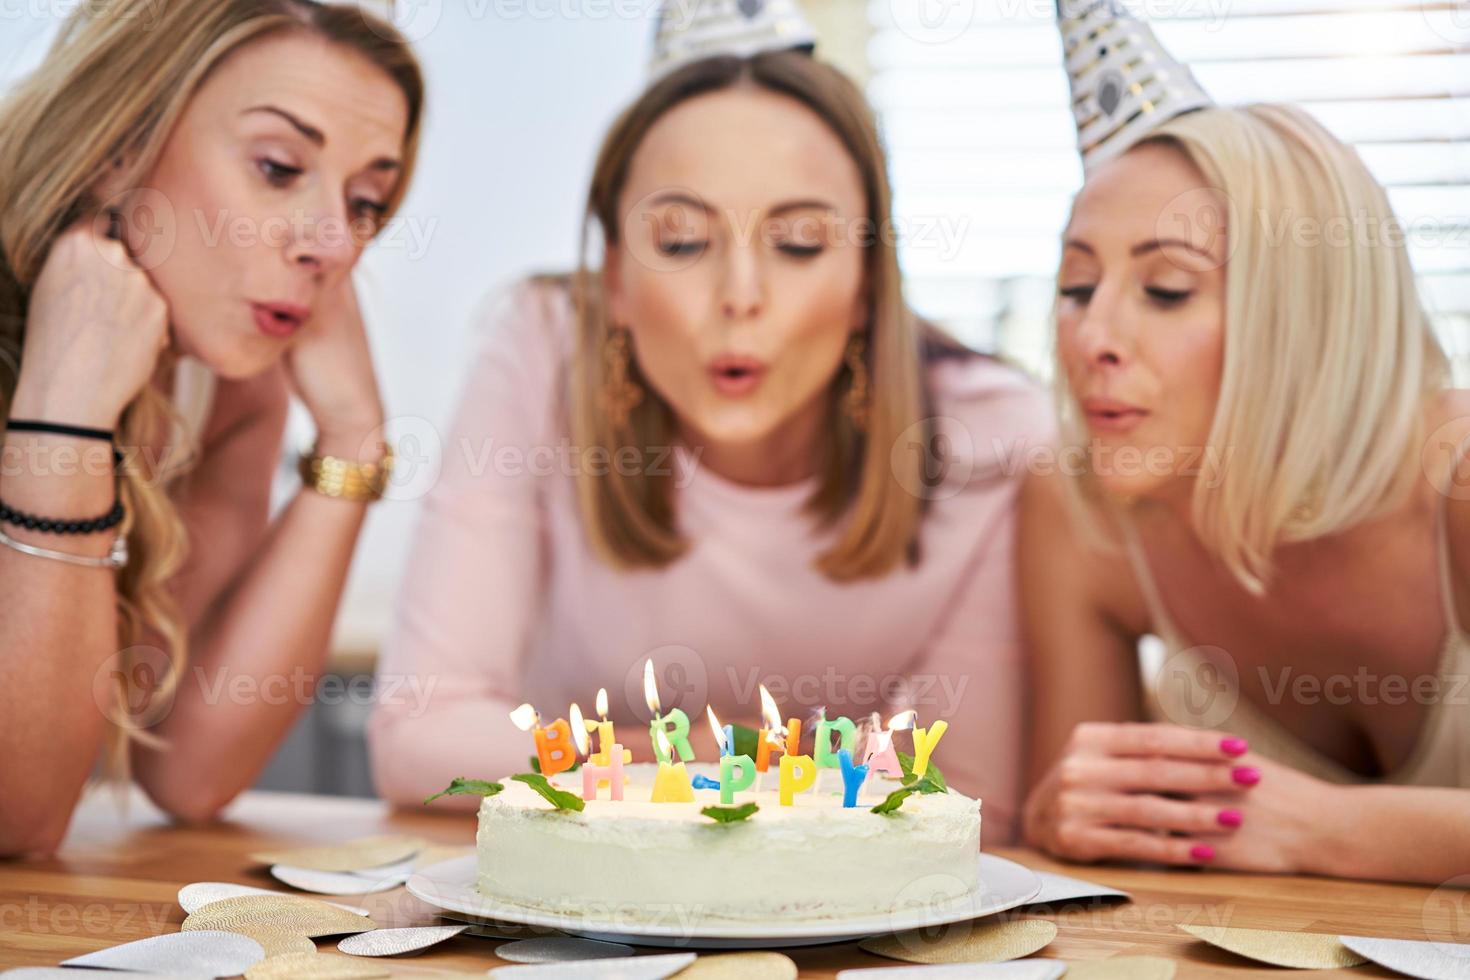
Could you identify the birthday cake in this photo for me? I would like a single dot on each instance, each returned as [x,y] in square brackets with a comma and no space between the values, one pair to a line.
[645,861]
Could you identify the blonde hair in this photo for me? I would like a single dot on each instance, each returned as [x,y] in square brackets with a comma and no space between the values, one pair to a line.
[1329,357]
[630,518]
[111,89]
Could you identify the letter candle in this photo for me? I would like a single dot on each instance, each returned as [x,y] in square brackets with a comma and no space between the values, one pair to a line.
[924,741]
[770,736]
[554,749]
[852,778]
[606,738]
[671,784]
[879,754]
[729,761]
[678,736]
[595,774]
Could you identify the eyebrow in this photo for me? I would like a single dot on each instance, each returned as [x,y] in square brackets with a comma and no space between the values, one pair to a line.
[317,137]
[1142,248]
[678,197]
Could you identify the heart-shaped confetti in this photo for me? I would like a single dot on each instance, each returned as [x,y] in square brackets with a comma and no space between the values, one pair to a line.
[343,882]
[397,942]
[1302,950]
[1014,970]
[194,897]
[624,968]
[741,966]
[277,942]
[314,966]
[966,942]
[286,913]
[557,949]
[357,855]
[1056,889]
[1426,960]
[208,953]
[1122,968]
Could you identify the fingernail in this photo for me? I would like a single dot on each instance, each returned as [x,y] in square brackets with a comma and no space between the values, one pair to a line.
[1234,746]
[1202,852]
[1230,818]
[1246,775]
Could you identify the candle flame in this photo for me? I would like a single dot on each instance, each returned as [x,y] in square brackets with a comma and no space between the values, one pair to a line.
[579,730]
[903,721]
[771,714]
[602,703]
[714,724]
[525,717]
[650,687]
[663,744]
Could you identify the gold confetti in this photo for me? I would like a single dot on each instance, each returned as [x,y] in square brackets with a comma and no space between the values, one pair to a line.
[966,942]
[1122,968]
[313,966]
[357,855]
[278,942]
[287,913]
[1303,950]
[740,966]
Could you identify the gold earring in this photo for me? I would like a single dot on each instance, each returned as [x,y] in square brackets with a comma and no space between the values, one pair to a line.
[620,395]
[858,399]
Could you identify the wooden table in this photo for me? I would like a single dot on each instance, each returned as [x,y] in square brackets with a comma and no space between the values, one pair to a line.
[117,878]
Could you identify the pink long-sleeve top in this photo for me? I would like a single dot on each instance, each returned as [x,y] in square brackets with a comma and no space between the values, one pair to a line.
[504,601]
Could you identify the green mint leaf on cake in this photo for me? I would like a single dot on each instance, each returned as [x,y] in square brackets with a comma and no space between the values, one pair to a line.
[931,772]
[467,787]
[730,814]
[558,798]
[916,784]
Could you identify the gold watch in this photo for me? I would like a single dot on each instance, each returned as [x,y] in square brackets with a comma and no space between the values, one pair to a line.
[347,479]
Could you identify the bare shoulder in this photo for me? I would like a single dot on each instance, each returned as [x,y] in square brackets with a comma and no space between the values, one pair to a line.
[1068,544]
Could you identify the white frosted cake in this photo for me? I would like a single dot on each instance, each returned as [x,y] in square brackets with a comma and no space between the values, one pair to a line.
[666,861]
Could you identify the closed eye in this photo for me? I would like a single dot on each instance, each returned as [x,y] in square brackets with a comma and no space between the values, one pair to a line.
[682,248]
[1078,294]
[278,174]
[1168,297]
[800,251]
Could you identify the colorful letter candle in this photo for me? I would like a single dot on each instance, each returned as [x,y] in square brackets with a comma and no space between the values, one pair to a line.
[554,749]
[852,777]
[924,741]
[671,784]
[769,736]
[826,758]
[673,727]
[609,775]
[791,782]
[729,785]
[880,756]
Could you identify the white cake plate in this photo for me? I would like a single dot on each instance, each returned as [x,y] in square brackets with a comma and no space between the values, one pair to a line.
[450,886]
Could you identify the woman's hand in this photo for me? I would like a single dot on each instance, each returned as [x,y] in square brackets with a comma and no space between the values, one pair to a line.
[94,332]
[331,369]
[1164,794]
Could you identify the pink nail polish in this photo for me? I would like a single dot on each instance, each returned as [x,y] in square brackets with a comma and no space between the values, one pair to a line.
[1246,775]
[1234,746]
[1202,852]
[1230,818]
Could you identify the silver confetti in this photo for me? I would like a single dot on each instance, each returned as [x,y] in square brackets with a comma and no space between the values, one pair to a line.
[203,953]
[342,882]
[1014,970]
[396,942]
[627,968]
[1425,960]
[194,897]
[556,949]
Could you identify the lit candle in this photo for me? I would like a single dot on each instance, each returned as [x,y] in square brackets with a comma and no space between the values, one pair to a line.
[826,758]
[924,741]
[729,761]
[554,749]
[798,773]
[769,738]
[671,783]
[678,735]
[606,736]
[879,755]
[595,773]
[852,777]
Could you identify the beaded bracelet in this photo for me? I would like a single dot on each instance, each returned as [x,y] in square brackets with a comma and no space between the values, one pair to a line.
[108,521]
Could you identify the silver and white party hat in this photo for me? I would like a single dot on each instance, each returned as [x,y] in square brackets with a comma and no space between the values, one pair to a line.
[689,30]
[1124,84]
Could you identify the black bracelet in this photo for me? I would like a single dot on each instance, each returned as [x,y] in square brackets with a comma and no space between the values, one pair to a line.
[30,522]
[56,428]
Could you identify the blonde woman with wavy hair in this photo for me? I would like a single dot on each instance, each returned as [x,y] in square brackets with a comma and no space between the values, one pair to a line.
[1271,449]
[184,190]
[714,447]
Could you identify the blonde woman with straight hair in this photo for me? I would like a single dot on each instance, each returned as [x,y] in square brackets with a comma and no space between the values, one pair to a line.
[1272,485]
[184,190]
[716,450]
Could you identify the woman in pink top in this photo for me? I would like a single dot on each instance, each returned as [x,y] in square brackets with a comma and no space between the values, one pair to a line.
[731,450]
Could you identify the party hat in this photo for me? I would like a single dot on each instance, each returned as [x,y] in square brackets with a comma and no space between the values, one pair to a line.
[1124,84]
[692,29]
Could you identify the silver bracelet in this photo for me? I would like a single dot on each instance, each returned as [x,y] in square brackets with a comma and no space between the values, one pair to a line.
[117,558]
